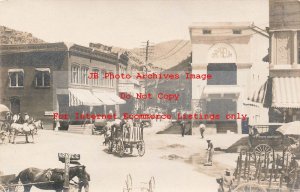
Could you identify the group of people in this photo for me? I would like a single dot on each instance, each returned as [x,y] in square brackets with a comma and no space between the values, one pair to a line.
[18,118]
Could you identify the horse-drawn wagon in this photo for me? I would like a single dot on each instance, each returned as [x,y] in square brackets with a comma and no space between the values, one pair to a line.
[126,137]
[264,171]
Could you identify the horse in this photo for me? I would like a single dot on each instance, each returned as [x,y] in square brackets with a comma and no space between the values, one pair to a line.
[51,179]
[38,125]
[25,128]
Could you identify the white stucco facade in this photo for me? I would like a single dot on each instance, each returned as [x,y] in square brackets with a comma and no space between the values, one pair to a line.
[228,49]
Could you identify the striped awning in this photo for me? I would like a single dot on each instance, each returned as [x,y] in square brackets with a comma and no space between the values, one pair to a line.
[83,97]
[105,98]
[285,91]
[117,99]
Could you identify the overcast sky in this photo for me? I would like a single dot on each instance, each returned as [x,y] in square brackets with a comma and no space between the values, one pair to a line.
[123,23]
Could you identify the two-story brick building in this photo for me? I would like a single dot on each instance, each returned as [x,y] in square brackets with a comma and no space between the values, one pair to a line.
[53,77]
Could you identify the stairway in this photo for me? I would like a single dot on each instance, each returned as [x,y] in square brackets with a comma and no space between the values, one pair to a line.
[78,129]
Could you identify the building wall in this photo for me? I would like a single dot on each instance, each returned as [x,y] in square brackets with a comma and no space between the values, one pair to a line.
[246,50]
[35,101]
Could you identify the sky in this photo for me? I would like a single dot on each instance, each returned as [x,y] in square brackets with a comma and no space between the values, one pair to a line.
[124,23]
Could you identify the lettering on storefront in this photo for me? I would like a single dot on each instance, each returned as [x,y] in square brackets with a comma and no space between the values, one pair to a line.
[221,52]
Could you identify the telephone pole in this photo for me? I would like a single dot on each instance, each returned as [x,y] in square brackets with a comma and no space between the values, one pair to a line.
[147,55]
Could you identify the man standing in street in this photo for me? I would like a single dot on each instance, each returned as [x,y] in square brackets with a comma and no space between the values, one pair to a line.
[182,126]
[210,151]
[202,129]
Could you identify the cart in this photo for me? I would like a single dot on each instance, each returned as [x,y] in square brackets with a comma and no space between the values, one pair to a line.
[125,138]
[266,171]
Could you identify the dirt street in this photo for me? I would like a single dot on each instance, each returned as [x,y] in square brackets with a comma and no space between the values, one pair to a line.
[175,162]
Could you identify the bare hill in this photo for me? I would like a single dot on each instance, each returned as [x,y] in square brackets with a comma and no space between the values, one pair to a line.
[10,36]
[166,54]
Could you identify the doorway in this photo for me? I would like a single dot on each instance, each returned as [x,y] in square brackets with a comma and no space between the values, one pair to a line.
[15,105]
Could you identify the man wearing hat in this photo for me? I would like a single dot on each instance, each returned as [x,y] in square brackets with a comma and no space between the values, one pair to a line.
[26,118]
[210,151]
[227,181]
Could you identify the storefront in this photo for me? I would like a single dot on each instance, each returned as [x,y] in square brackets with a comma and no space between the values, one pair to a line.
[227,52]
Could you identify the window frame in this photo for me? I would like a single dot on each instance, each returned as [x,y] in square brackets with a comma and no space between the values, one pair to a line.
[43,79]
[17,79]
[75,70]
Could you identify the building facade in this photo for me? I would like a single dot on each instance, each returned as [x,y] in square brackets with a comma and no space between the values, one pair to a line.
[284,81]
[231,53]
[41,79]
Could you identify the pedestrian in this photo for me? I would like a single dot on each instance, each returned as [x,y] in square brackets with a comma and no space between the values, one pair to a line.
[202,129]
[210,151]
[182,125]
[226,182]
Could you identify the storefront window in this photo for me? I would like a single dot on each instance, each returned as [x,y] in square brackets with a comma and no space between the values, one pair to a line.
[223,74]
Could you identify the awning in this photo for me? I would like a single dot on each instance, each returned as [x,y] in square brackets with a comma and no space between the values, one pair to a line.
[117,99]
[221,89]
[15,70]
[43,69]
[83,97]
[259,94]
[105,98]
[285,91]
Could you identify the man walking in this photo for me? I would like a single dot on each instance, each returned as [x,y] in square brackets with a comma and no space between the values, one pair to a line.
[202,129]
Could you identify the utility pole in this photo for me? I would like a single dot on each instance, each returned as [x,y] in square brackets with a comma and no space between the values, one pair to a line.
[146,66]
[147,54]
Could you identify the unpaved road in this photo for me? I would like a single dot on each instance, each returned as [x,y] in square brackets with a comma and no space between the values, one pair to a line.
[175,162]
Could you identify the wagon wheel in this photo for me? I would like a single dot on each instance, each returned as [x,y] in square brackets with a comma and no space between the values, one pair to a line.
[262,149]
[152,184]
[2,189]
[249,187]
[141,148]
[128,183]
[120,148]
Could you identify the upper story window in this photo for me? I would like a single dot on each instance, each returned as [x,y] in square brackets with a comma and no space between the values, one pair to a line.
[42,77]
[223,74]
[16,77]
[206,31]
[237,31]
[110,82]
[75,75]
[96,81]
[84,75]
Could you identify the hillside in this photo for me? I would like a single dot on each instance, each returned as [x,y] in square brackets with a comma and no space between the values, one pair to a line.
[10,36]
[162,55]
[166,54]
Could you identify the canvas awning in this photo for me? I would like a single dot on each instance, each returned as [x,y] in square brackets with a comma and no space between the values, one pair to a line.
[105,98]
[221,90]
[15,70]
[117,99]
[83,97]
[43,69]
[285,91]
